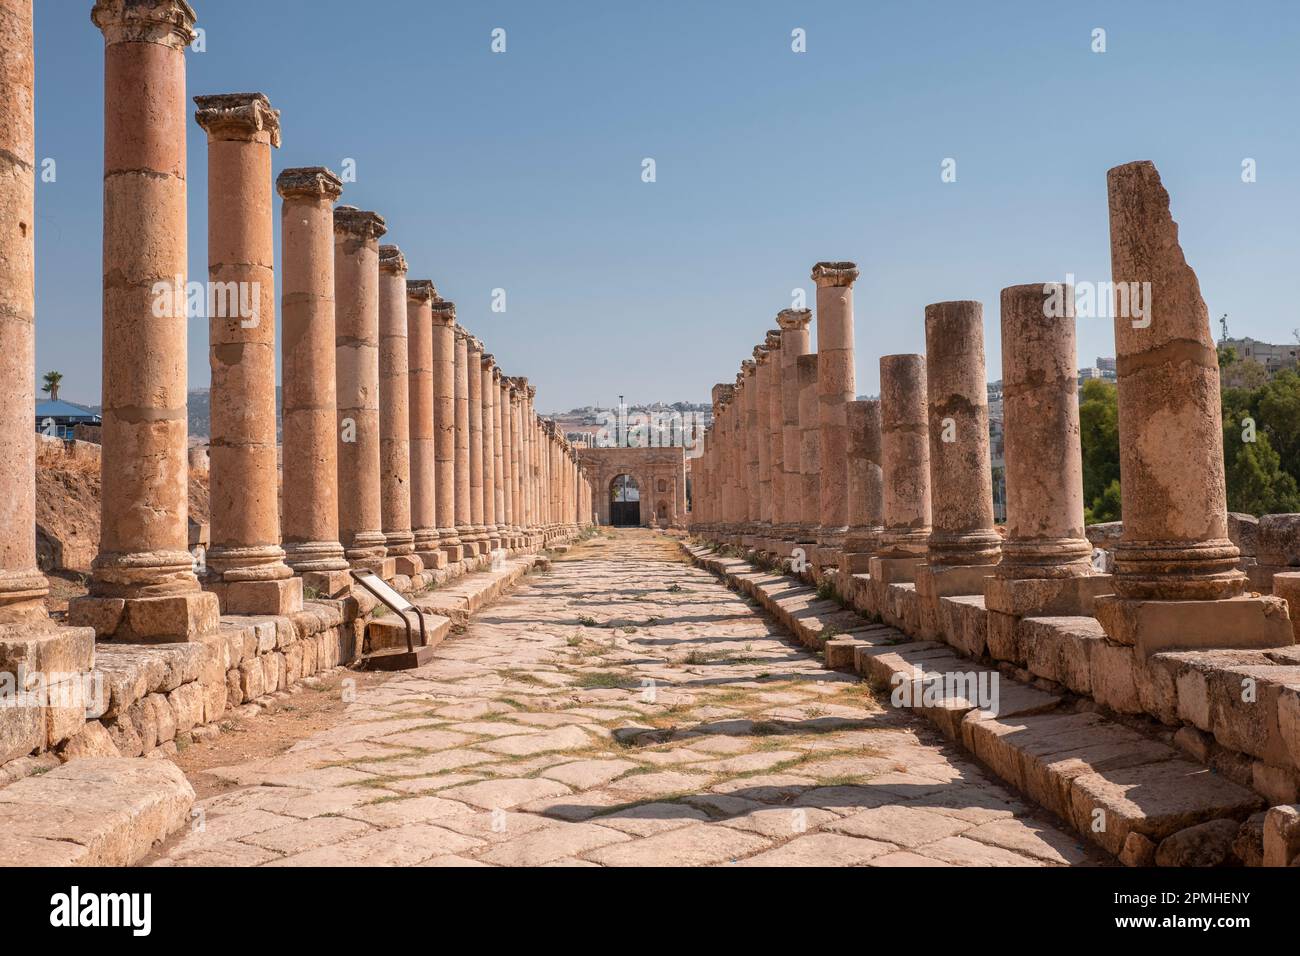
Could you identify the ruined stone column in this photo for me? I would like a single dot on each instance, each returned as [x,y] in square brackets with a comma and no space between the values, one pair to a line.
[356,337]
[776,442]
[420,295]
[753,481]
[763,443]
[506,411]
[245,563]
[395,414]
[489,452]
[809,455]
[22,586]
[1176,581]
[905,469]
[517,462]
[961,475]
[143,586]
[836,385]
[474,397]
[443,314]
[534,467]
[794,343]
[464,512]
[308,390]
[1046,563]
[866,492]
[501,450]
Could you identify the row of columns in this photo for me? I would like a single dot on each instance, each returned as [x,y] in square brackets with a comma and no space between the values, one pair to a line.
[900,488]
[405,449]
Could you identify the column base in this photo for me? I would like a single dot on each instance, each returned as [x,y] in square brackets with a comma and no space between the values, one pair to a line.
[452,554]
[1046,597]
[1226,623]
[327,584]
[407,564]
[173,618]
[887,571]
[383,567]
[433,560]
[280,597]
[855,562]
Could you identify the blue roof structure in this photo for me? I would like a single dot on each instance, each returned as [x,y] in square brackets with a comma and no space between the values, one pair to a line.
[58,408]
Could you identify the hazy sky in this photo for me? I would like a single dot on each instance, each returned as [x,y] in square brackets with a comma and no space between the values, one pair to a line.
[522,170]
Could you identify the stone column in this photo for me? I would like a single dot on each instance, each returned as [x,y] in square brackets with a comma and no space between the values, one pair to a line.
[143,586]
[753,481]
[245,563]
[776,442]
[534,467]
[464,513]
[500,442]
[740,456]
[866,493]
[905,470]
[963,544]
[1176,580]
[763,443]
[806,368]
[395,414]
[356,339]
[474,397]
[420,294]
[308,390]
[22,586]
[444,423]
[489,391]
[507,407]
[1046,566]
[836,387]
[794,343]
[516,480]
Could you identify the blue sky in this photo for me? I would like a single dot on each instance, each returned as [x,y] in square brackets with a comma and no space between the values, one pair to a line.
[522,170]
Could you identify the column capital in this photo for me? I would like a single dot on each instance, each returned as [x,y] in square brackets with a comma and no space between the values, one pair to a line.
[166,22]
[760,355]
[488,361]
[794,319]
[391,261]
[238,116]
[497,377]
[473,344]
[359,223]
[444,313]
[835,274]
[773,340]
[309,182]
[420,290]
[531,390]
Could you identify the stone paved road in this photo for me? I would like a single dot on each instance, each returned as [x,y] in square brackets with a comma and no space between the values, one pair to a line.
[622,709]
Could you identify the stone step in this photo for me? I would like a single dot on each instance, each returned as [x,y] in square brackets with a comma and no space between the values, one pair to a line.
[1135,797]
[471,593]
[93,812]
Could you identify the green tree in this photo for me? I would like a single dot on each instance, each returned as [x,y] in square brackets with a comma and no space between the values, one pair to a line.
[1099,440]
[51,386]
[1257,483]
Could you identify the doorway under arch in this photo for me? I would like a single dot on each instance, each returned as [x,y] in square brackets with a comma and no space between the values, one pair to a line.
[624,502]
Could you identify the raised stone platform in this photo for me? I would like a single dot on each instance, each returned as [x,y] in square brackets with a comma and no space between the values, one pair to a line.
[1066,729]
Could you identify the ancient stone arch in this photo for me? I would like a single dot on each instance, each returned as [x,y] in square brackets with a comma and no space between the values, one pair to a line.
[660,475]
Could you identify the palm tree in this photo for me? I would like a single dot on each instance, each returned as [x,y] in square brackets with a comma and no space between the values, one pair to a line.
[51,386]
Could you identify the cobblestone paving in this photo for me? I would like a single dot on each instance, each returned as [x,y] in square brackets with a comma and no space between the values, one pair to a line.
[623,709]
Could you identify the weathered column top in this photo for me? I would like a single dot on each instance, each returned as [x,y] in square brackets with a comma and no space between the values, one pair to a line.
[761,355]
[748,366]
[245,117]
[420,290]
[444,313]
[497,377]
[488,361]
[532,392]
[792,319]
[835,274]
[165,22]
[309,182]
[473,344]
[391,261]
[358,223]
[773,341]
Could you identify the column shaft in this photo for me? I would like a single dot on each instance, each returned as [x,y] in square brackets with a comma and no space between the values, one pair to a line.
[836,386]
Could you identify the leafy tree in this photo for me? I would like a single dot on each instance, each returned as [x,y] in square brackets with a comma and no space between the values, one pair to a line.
[1099,438]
